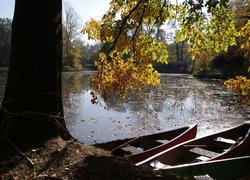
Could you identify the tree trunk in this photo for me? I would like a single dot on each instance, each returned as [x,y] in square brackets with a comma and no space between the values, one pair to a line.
[177,52]
[182,51]
[33,92]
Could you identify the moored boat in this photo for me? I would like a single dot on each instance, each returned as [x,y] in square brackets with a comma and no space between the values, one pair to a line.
[230,143]
[139,148]
[231,168]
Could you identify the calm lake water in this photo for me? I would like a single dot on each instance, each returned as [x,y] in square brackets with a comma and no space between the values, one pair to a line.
[180,100]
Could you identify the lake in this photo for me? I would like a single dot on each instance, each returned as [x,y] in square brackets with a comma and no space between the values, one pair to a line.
[178,101]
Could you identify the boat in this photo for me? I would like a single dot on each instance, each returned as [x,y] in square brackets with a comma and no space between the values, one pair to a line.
[231,168]
[142,147]
[230,143]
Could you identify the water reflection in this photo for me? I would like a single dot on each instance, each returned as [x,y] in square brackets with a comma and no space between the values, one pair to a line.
[178,101]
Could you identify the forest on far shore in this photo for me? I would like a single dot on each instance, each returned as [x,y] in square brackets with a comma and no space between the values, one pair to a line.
[78,54]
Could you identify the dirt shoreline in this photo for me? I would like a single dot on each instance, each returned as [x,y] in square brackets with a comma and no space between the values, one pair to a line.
[58,159]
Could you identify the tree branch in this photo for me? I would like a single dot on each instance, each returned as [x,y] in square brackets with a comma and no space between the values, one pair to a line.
[137,29]
[157,18]
[246,17]
[122,25]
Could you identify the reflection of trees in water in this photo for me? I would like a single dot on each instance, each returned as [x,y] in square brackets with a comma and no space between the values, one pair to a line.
[150,107]
[115,104]
[75,82]
[73,85]
[228,101]
[180,99]
[188,103]
[174,99]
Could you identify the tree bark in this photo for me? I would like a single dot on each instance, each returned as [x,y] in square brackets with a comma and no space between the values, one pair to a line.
[32,103]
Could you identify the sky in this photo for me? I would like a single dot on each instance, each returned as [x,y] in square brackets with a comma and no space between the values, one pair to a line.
[85,8]
[89,8]
[7,8]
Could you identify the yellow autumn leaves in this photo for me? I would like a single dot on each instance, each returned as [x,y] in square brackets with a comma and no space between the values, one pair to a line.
[122,74]
[92,29]
[119,76]
[245,32]
[212,34]
[128,62]
[241,86]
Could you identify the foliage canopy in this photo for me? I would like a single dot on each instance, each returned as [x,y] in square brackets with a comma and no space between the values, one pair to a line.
[127,28]
[241,86]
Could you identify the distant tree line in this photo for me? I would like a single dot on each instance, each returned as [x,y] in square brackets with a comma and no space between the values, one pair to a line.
[5,37]
[77,54]
[236,60]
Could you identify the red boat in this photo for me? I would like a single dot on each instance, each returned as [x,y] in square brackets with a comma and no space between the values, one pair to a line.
[143,147]
[230,143]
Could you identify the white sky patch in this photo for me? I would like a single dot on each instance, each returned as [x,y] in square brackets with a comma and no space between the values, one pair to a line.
[86,9]
[7,8]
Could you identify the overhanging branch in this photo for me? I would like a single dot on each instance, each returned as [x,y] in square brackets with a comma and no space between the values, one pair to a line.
[122,26]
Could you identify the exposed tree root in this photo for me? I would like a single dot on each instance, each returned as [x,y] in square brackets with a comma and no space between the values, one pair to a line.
[20,131]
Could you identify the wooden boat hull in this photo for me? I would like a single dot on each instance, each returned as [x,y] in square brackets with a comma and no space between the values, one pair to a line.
[231,168]
[140,148]
[222,145]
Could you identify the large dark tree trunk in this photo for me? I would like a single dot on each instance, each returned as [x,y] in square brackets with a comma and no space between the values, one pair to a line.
[32,104]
